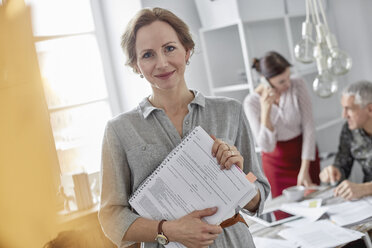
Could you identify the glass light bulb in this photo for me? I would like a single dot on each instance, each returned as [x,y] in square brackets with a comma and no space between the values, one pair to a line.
[339,63]
[322,51]
[304,50]
[325,85]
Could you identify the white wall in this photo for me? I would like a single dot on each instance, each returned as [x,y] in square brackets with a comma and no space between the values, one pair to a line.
[352,22]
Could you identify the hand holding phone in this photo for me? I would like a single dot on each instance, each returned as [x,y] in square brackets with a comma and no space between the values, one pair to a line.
[265,82]
[267,85]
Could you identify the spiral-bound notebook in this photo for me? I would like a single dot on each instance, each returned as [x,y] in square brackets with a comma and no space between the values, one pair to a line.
[189,179]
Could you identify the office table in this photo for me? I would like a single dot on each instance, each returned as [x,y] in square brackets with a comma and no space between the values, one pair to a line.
[259,230]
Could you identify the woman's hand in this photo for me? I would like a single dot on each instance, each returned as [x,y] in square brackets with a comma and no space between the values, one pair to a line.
[191,231]
[303,177]
[226,155]
[268,95]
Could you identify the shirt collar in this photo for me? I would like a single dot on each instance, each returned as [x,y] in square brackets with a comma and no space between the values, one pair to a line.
[147,108]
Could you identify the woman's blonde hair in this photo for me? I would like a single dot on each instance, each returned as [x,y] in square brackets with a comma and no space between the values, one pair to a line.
[146,17]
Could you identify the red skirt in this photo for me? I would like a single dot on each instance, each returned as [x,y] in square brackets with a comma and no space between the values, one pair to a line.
[282,165]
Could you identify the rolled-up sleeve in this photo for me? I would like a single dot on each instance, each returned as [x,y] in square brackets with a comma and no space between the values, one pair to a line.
[245,145]
[115,215]
[265,138]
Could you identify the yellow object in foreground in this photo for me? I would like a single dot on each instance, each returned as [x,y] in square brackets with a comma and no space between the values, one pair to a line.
[27,153]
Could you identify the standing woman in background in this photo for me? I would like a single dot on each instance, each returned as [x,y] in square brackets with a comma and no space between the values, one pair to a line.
[280,115]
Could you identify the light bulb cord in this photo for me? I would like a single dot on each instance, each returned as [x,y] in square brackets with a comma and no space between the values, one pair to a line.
[307,10]
[323,14]
[315,5]
[311,7]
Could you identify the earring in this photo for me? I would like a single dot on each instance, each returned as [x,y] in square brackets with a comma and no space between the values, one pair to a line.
[141,76]
[187,62]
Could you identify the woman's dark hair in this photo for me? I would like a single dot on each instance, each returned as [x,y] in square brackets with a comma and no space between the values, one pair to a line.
[271,64]
[146,17]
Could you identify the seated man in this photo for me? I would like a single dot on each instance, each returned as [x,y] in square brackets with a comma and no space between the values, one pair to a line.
[355,143]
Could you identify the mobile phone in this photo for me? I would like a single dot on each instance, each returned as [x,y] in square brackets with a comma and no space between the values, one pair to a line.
[265,82]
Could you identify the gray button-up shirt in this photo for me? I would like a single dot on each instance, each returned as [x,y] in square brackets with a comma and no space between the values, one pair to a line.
[136,142]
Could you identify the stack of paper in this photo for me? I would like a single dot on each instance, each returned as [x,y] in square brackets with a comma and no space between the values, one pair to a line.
[350,212]
[327,235]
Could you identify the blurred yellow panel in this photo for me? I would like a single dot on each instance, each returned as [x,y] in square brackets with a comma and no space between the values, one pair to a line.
[28,160]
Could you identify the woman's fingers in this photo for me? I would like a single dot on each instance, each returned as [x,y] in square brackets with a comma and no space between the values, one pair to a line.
[268,96]
[237,160]
[226,154]
[232,157]
[222,149]
[216,146]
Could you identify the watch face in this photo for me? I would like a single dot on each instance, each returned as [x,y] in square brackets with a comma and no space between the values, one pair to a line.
[162,239]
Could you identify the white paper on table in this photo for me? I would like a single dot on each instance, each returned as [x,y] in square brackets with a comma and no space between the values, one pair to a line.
[350,212]
[260,242]
[310,209]
[298,222]
[327,235]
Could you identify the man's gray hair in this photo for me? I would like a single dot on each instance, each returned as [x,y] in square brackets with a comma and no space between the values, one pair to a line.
[361,90]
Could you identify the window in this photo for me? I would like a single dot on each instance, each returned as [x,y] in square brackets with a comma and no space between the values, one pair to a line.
[74,80]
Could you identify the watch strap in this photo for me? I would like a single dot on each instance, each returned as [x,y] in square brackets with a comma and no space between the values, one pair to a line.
[161,237]
[160,227]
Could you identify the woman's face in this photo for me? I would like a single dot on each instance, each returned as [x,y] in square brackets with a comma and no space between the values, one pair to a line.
[161,57]
[281,82]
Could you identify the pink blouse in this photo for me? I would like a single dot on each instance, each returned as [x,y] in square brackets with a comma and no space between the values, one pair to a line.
[292,117]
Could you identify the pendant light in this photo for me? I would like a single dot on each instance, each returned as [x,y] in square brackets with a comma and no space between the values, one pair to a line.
[303,50]
[331,61]
[325,84]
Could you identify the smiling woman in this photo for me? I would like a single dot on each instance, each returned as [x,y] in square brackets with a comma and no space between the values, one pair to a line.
[158,46]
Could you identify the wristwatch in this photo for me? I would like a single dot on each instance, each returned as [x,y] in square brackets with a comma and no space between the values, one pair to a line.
[161,238]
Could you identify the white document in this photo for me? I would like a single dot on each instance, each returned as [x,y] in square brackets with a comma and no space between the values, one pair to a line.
[320,234]
[350,212]
[368,199]
[190,179]
[298,223]
[310,209]
[270,243]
